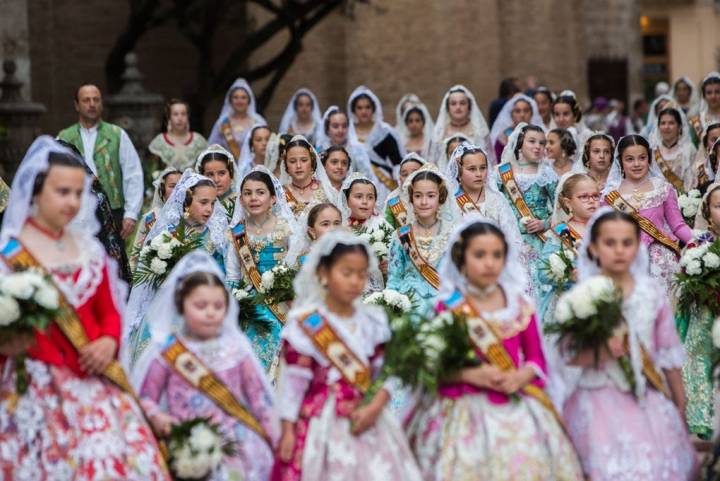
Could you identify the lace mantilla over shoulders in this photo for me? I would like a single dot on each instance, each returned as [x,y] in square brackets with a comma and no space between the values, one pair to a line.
[79,288]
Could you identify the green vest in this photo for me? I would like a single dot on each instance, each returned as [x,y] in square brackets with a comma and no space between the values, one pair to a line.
[106,157]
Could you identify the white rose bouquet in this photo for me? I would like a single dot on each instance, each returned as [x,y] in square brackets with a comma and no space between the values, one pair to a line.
[28,302]
[379,239]
[689,204]
[197,449]
[276,285]
[698,282]
[559,267]
[247,313]
[394,303]
[588,316]
[157,258]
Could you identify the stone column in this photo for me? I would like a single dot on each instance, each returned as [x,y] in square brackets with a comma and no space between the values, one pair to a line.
[135,110]
[19,121]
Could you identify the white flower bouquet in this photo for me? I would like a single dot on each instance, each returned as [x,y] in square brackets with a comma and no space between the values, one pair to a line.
[379,239]
[559,267]
[588,316]
[698,282]
[394,303]
[689,204]
[157,258]
[276,285]
[197,449]
[28,302]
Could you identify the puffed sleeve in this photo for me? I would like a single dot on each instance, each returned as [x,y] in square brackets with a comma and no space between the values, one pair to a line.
[258,396]
[674,218]
[105,309]
[295,377]
[532,349]
[153,387]
[670,353]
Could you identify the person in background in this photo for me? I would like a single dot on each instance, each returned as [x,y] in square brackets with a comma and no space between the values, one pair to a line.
[508,88]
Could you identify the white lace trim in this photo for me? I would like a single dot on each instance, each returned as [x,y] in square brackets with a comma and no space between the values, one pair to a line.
[544,176]
[91,263]
[671,358]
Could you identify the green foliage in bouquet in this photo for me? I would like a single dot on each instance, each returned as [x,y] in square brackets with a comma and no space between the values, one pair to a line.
[158,258]
[698,283]
[276,285]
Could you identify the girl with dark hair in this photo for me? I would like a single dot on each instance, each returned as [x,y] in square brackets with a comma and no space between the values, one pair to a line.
[686,95]
[262,230]
[673,148]
[382,143]
[419,244]
[703,163]
[561,150]
[332,352]
[302,116]
[416,129]
[597,157]
[520,108]
[622,429]
[219,165]
[78,418]
[337,163]
[566,112]
[544,99]
[237,116]
[177,146]
[491,413]
[395,210]
[529,185]
[303,177]
[637,186]
[709,106]
[254,148]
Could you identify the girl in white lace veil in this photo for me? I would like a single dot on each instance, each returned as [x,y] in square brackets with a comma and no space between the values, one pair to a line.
[706,117]
[626,439]
[504,121]
[681,154]
[359,158]
[401,107]
[569,98]
[494,206]
[216,135]
[394,196]
[288,123]
[417,108]
[656,106]
[692,106]
[247,155]
[168,397]
[383,144]
[615,177]
[226,184]
[478,131]
[324,190]
[88,279]
[322,218]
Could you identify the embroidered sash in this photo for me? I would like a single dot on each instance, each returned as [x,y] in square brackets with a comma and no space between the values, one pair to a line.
[516,195]
[697,125]
[192,370]
[486,339]
[617,202]
[567,235]
[407,239]
[397,208]
[668,172]
[227,131]
[150,220]
[17,257]
[336,351]
[466,204]
[648,366]
[242,247]
[383,177]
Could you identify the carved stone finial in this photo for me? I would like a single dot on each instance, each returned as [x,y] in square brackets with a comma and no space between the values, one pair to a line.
[10,84]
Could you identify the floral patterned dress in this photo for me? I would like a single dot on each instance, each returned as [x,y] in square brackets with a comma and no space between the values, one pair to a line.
[469,434]
[620,437]
[68,425]
[315,397]
[179,156]
[700,384]
[165,390]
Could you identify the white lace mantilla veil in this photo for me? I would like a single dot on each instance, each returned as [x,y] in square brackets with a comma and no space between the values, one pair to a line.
[444,158]
[685,138]
[703,103]
[227,109]
[652,119]
[701,224]
[578,165]
[289,115]
[157,201]
[214,149]
[320,175]
[559,215]
[513,279]
[408,98]
[694,103]
[19,208]
[504,118]
[247,156]
[412,156]
[449,214]
[428,126]
[615,176]
[492,192]
[545,173]
[640,270]
[480,129]
[167,321]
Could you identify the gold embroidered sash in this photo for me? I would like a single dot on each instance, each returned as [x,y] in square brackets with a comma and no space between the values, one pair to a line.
[466,204]
[383,177]
[697,125]
[242,247]
[407,239]
[397,208]
[618,203]
[227,131]
[18,258]
[648,366]
[668,172]
[192,370]
[336,351]
[486,339]
[516,195]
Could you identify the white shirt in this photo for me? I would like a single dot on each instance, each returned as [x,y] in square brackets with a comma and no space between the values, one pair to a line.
[130,167]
